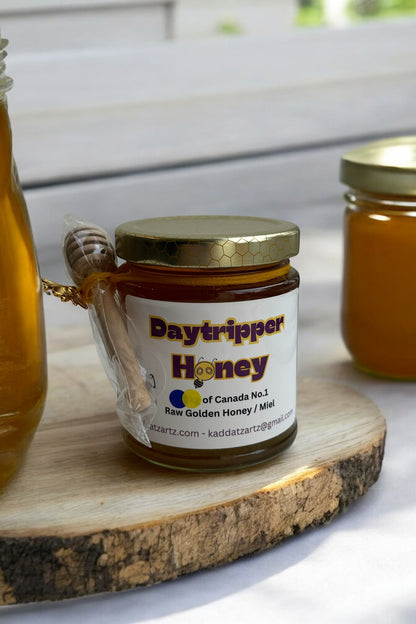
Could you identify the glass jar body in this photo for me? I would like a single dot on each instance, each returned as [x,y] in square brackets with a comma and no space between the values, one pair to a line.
[206,293]
[379,298]
[22,340]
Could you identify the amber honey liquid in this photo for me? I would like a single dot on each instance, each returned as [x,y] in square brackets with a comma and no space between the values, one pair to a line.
[192,286]
[379,294]
[22,344]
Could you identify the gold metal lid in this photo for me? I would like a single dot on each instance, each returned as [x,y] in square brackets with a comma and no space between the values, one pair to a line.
[386,166]
[207,241]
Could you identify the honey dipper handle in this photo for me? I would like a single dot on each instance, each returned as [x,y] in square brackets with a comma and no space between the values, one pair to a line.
[117,332]
[88,249]
[133,398]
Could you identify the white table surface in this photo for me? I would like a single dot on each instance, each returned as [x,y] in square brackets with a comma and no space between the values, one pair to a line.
[359,568]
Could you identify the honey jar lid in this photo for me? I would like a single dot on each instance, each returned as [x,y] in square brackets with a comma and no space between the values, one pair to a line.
[386,166]
[207,241]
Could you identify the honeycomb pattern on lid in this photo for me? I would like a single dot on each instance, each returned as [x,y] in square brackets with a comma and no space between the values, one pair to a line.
[207,241]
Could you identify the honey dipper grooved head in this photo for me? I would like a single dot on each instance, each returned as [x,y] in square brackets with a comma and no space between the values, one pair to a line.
[88,249]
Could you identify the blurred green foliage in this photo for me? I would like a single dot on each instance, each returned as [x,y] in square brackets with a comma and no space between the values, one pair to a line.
[229,27]
[311,12]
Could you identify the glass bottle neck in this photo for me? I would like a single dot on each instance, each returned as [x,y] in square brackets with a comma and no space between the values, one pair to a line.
[381,201]
[6,83]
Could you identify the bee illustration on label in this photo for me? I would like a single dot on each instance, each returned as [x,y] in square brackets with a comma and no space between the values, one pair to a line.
[204,371]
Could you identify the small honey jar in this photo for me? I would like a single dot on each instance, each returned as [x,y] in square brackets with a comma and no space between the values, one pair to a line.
[213,301]
[379,293]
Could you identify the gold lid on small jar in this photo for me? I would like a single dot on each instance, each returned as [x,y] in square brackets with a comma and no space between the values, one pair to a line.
[387,166]
[207,241]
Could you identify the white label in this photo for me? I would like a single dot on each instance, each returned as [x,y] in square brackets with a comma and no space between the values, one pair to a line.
[224,373]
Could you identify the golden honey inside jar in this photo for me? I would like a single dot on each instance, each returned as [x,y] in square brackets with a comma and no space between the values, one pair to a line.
[379,294]
[213,301]
[23,376]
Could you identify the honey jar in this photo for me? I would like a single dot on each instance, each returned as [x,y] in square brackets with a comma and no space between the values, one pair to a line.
[213,301]
[379,294]
[22,339]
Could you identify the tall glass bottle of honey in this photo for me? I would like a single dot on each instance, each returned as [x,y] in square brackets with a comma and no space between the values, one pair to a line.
[22,340]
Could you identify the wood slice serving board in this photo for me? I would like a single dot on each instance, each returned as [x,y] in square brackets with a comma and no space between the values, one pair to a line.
[85,515]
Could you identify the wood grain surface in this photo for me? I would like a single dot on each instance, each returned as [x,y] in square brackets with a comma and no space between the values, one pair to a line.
[85,515]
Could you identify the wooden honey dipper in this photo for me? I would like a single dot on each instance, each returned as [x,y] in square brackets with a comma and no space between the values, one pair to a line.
[88,249]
